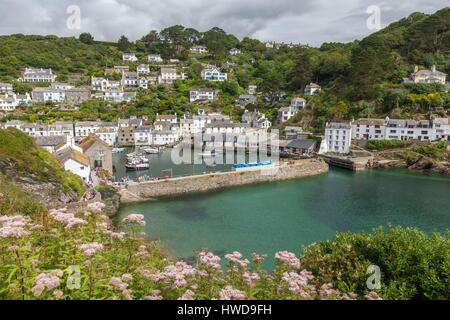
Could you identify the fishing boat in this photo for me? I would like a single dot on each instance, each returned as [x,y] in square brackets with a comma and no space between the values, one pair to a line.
[134,166]
[151,150]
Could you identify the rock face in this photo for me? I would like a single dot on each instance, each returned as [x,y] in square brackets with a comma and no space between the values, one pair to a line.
[46,193]
[111,199]
[149,190]
[422,165]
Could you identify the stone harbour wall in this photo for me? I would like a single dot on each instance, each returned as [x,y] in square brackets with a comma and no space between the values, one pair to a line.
[139,192]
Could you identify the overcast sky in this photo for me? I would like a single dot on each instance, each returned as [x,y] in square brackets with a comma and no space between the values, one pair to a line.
[300,21]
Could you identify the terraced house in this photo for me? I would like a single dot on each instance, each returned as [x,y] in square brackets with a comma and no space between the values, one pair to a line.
[38,75]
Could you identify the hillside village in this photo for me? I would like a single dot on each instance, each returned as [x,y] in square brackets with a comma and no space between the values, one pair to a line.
[159,95]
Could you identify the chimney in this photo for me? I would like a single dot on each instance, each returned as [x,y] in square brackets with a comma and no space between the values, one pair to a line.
[433,68]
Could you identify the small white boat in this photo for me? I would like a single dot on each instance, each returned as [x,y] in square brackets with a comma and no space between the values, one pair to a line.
[137,166]
[138,159]
[207,154]
[151,150]
[118,150]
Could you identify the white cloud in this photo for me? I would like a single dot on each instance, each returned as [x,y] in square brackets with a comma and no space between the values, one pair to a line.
[304,21]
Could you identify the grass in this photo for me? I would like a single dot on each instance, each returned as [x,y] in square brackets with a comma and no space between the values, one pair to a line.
[21,158]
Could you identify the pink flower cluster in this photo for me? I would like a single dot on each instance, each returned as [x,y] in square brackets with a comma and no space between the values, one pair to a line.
[14,226]
[328,292]
[142,253]
[209,260]
[257,258]
[231,294]
[121,285]
[96,207]
[134,218]
[90,249]
[251,278]
[372,296]
[187,296]
[47,281]
[66,218]
[154,295]
[236,259]
[288,258]
[176,274]
[298,283]
[116,235]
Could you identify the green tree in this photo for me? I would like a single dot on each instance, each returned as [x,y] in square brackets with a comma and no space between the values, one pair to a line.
[86,38]
[123,44]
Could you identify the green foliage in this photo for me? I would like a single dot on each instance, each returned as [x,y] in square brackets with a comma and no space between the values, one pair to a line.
[20,157]
[437,151]
[123,44]
[413,265]
[14,200]
[387,144]
[86,38]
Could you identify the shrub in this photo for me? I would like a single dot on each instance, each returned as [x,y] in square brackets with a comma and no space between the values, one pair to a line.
[413,265]
[387,144]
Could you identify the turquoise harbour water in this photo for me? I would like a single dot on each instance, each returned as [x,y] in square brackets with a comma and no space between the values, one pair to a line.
[288,215]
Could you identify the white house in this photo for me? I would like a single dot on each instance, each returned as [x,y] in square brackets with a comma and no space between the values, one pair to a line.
[202,94]
[143,68]
[54,144]
[61,128]
[108,134]
[38,75]
[131,57]
[298,103]
[102,84]
[6,87]
[426,76]
[155,58]
[130,79]
[163,138]
[169,118]
[13,124]
[24,99]
[405,130]
[338,138]
[369,129]
[286,113]
[41,95]
[75,162]
[85,128]
[234,52]
[312,89]
[441,129]
[199,49]
[214,74]
[226,128]
[143,136]
[167,75]
[8,102]
[114,95]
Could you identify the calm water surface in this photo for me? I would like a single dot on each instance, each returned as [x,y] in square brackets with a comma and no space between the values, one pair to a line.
[288,215]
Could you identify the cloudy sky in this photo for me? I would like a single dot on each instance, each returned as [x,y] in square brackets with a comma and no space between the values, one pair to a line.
[300,21]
